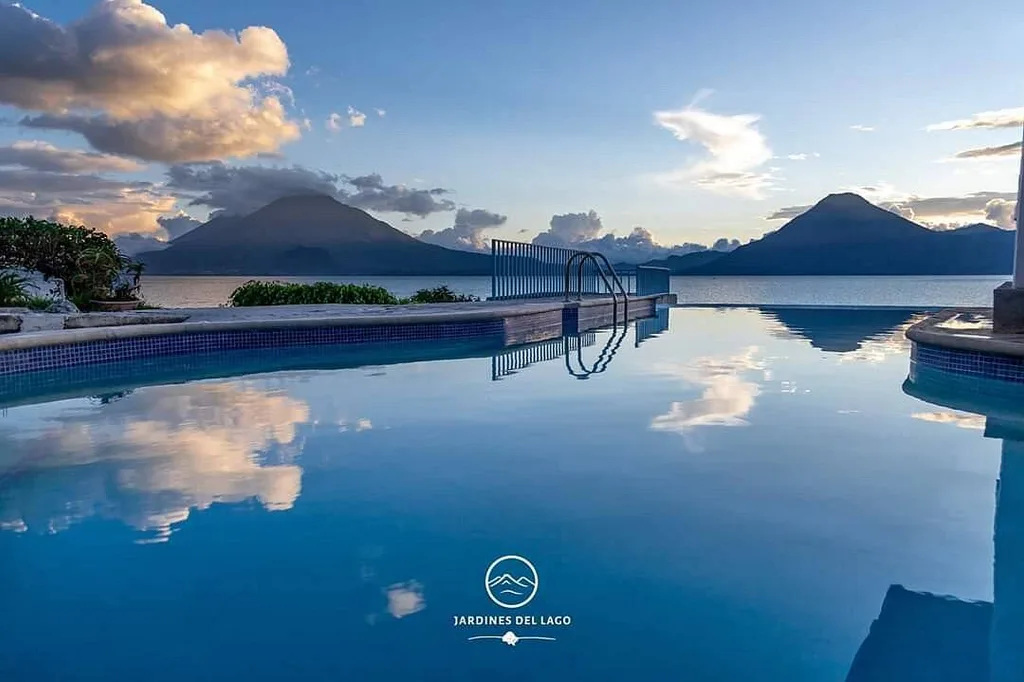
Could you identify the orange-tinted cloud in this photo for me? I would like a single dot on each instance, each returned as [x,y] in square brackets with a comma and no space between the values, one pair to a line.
[133,85]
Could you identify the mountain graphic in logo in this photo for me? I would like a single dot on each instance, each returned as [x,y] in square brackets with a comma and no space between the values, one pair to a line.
[506,584]
[511,581]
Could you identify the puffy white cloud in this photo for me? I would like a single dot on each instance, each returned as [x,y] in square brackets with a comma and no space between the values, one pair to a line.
[1001,212]
[202,136]
[735,148]
[727,397]
[381,112]
[862,128]
[335,122]
[468,231]
[571,228]
[1001,118]
[405,599]
[134,85]
[153,456]
[356,119]
[581,231]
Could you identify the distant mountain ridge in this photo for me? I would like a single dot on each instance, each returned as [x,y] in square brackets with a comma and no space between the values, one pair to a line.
[311,234]
[844,234]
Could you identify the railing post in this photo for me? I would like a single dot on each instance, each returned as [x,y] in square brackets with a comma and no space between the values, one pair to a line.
[494,269]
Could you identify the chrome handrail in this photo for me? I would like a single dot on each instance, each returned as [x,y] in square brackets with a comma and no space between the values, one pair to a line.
[603,360]
[593,256]
[615,277]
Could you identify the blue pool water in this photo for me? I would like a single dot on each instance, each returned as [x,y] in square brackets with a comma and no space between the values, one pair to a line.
[731,499]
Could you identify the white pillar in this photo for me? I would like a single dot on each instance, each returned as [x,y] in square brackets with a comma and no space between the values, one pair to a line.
[1018,261]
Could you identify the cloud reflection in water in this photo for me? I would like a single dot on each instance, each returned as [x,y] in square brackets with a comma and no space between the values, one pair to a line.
[151,457]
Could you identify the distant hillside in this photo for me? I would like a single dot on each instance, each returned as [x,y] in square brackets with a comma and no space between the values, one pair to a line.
[687,261]
[844,234]
[307,235]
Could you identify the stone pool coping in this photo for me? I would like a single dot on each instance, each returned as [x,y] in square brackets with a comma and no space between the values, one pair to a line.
[937,330]
[305,317]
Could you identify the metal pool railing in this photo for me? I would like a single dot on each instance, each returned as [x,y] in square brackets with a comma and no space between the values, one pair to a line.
[510,361]
[522,270]
[651,280]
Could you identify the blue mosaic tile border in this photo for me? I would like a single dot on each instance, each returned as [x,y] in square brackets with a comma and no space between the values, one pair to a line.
[968,362]
[114,350]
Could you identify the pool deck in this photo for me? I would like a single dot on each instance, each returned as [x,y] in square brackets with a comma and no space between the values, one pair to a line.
[41,330]
[966,329]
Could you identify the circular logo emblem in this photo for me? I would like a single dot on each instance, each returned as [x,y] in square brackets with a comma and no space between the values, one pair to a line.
[511,581]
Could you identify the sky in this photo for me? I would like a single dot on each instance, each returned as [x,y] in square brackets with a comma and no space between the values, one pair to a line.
[565,122]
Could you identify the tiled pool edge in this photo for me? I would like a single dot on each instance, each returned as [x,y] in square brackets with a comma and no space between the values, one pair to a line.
[504,324]
[966,353]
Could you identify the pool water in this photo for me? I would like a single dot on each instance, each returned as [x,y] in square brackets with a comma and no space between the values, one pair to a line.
[731,499]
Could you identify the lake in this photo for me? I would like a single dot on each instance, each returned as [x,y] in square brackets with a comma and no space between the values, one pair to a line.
[917,291]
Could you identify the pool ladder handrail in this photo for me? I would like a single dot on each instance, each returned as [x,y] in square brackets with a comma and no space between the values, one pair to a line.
[603,359]
[593,256]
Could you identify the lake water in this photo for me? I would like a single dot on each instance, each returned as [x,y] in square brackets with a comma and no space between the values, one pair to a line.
[203,292]
[731,500]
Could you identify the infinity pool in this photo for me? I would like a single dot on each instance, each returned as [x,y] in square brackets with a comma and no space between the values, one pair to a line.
[731,499]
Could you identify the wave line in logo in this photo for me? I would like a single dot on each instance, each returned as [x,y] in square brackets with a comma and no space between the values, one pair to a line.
[511,638]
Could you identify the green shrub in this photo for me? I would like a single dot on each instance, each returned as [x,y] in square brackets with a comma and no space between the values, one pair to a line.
[441,294]
[285,293]
[37,302]
[88,262]
[12,289]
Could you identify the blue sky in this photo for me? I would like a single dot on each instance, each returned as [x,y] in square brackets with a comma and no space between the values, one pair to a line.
[530,109]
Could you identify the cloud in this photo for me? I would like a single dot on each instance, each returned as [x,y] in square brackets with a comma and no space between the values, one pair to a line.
[356,119]
[1001,212]
[134,85]
[571,228]
[1002,118]
[468,231]
[177,225]
[581,231]
[381,112]
[959,419]
[42,156]
[153,456]
[237,190]
[183,138]
[114,206]
[862,128]
[797,157]
[405,599]
[727,397]
[133,243]
[335,122]
[725,245]
[1012,150]
[997,207]
[736,150]
[373,195]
